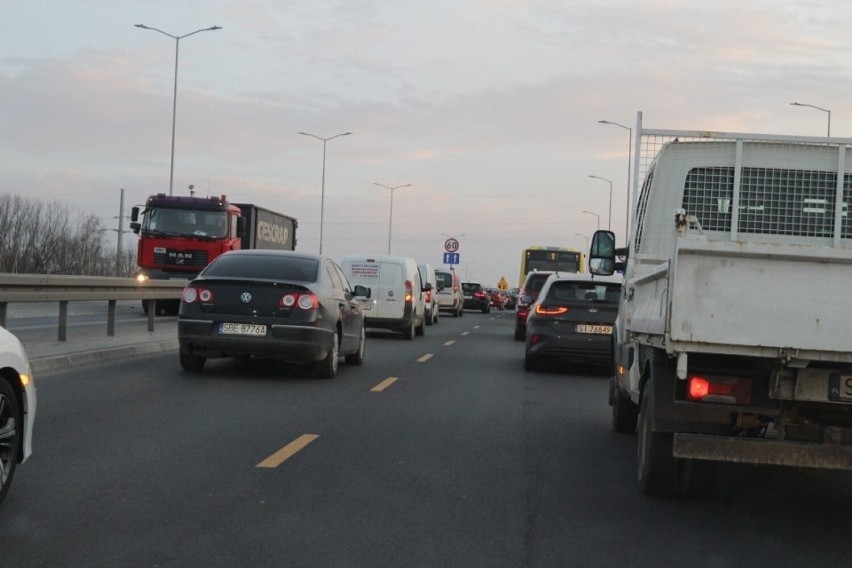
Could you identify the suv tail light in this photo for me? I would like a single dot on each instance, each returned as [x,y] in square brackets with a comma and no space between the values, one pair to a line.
[543,310]
[726,390]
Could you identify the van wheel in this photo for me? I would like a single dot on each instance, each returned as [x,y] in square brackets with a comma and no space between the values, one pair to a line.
[409,331]
[429,318]
[421,329]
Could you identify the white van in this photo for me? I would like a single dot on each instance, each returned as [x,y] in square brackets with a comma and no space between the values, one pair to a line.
[430,296]
[396,298]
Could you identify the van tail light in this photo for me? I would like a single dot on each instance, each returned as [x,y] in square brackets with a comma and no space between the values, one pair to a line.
[305,301]
[726,390]
[428,296]
[543,310]
[192,294]
[409,294]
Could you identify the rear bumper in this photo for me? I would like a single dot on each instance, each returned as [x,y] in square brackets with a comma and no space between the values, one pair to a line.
[396,324]
[579,347]
[299,344]
[762,451]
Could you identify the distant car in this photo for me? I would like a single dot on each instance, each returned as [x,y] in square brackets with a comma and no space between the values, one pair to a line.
[526,296]
[450,297]
[17,408]
[475,297]
[498,298]
[572,319]
[513,299]
[430,292]
[297,307]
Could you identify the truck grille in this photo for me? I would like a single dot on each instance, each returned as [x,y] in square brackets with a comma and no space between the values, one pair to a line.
[173,257]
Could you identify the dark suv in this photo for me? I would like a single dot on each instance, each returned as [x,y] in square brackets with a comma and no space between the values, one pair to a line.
[475,297]
[526,296]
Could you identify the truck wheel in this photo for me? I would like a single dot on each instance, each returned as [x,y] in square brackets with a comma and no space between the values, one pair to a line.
[657,469]
[696,478]
[358,357]
[625,414]
[409,331]
[190,362]
[11,434]
[327,368]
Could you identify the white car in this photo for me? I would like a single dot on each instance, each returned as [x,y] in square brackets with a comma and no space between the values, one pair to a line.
[17,407]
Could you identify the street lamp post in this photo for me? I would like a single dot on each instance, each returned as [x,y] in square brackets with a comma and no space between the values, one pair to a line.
[629,156]
[598,217]
[467,270]
[818,108]
[390,220]
[174,96]
[322,189]
[609,223]
[585,237]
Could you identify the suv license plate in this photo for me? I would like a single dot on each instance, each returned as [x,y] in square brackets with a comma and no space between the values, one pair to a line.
[596,329]
[242,329]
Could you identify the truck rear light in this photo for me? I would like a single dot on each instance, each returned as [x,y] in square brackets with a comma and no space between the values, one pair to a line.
[192,294]
[543,310]
[727,390]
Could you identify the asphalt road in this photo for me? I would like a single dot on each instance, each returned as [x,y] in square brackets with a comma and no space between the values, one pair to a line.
[440,451]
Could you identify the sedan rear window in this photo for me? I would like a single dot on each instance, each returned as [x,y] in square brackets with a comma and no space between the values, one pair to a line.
[266,267]
[584,291]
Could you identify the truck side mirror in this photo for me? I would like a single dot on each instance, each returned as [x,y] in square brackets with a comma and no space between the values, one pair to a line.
[135,227]
[134,215]
[602,253]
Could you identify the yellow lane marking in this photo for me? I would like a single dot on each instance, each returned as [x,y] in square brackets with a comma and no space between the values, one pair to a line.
[384,384]
[425,358]
[287,451]
[476,327]
[450,342]
[465,332]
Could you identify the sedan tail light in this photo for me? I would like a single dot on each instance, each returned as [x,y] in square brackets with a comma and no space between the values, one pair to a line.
[192,294]
[305,301]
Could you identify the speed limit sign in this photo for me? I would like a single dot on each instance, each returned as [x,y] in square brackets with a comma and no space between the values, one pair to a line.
[451,245]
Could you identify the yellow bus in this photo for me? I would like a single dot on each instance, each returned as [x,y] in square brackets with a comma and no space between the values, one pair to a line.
[551,258]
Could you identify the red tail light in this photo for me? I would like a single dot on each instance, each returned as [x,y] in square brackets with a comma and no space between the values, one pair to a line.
[408,291]
[479,294]
[428,296]
[727,390]
[305,301]
[543,310]
[192,294]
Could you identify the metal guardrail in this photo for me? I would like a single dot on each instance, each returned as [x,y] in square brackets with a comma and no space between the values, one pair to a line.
[64,289]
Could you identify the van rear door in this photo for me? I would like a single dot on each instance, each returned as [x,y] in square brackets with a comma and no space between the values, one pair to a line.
[391,296]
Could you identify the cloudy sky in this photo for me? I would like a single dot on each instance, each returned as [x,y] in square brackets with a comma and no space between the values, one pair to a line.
[488,108]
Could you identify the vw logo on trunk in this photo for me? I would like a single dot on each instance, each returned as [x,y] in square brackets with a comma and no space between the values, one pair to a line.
[245,297]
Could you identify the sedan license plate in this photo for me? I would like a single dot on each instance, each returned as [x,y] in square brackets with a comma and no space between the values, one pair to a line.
[242,329]
[596,329]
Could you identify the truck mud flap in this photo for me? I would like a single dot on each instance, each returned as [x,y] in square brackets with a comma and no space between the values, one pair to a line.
[762,451]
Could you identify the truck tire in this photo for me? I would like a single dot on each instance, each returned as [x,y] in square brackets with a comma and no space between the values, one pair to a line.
[696,478]
[625,414]
[190,362]
[657,469]
[11,434]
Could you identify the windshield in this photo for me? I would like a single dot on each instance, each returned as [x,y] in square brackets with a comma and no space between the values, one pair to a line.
[189,222]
